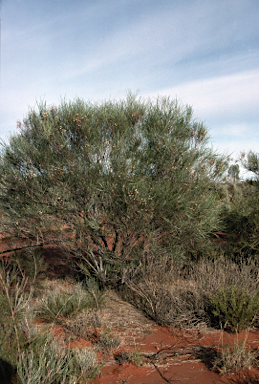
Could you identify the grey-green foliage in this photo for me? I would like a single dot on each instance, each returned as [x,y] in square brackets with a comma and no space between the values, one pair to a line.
[251,162]
[60,304]
[14,301]
[240,218]
[48,362]
[234,308]
[37,356]
[131,170]
[234,172]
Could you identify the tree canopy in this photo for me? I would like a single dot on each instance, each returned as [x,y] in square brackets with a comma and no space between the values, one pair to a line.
[122,178]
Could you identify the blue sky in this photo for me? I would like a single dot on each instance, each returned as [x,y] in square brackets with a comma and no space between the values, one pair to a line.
[204,52]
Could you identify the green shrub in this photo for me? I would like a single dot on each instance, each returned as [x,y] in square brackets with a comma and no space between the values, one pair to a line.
[234,308]
[116,176]
[240,219]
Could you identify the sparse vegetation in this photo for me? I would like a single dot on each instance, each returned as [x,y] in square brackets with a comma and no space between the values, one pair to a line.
[132,357]
[28,355]
[108,340]
[236,358]
[84,324]
[137,201]
[181,297]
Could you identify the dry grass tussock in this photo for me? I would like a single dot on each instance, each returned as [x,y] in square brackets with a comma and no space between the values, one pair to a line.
[235,359]
[180,297]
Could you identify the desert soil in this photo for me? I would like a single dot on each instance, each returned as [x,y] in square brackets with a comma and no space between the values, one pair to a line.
[167,355]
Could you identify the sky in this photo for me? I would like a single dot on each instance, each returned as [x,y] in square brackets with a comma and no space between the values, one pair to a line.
[205,53]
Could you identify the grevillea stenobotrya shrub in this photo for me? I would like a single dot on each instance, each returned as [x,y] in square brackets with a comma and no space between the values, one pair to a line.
[110,180]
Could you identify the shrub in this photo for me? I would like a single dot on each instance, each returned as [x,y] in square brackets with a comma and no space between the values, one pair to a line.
[84,324]
[234,308]
[179,295]
[106,180]
[240,219]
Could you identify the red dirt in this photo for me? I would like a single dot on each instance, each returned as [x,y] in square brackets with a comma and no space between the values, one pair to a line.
[171,356]
[167,355]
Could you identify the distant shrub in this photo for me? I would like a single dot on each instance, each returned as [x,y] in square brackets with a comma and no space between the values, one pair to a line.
[240,220]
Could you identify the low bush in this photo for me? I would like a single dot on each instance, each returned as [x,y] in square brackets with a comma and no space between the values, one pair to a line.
[84,324]
[177,295]
[234,308]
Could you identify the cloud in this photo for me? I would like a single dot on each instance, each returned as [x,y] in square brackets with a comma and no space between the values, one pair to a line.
[202,52]
[231,96]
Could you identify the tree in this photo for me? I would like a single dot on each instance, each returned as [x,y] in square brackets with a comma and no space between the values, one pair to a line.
[112,182]
[233,172]
[251,162]
[241,214]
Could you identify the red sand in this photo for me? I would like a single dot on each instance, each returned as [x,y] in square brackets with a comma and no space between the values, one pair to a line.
[175,357]
[170,356]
